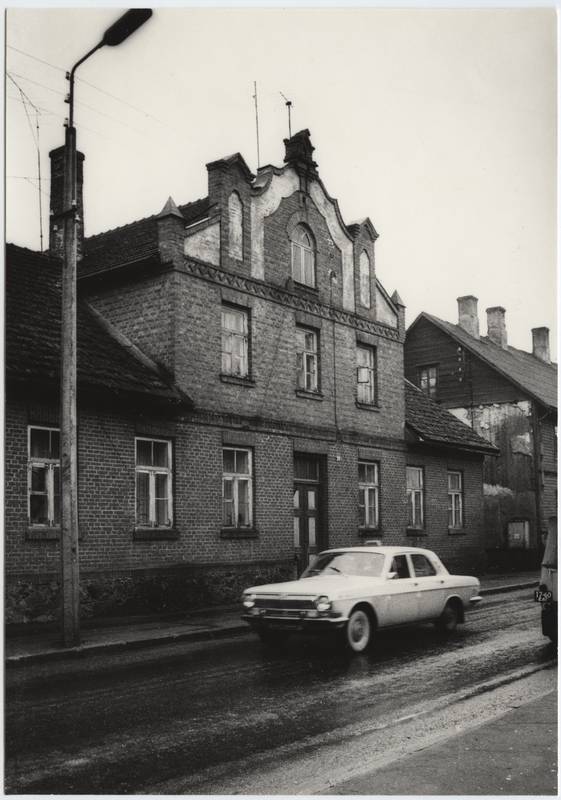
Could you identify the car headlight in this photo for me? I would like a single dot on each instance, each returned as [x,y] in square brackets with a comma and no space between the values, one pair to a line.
[248,600]
[322,603]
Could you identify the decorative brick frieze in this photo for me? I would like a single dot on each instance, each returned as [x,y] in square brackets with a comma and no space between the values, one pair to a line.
[307,305]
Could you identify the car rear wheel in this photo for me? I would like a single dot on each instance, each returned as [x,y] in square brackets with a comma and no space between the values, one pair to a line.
[448,620]
[358,631]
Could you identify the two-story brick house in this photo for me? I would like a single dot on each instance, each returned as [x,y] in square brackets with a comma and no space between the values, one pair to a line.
[509,397]
[283,425]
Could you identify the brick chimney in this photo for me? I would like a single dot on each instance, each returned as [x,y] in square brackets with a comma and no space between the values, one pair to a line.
[298,153]
[467,315]
[540,344]
[496,326]
[56,221]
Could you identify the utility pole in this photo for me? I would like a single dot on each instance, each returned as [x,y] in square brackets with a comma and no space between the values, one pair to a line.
[114,35]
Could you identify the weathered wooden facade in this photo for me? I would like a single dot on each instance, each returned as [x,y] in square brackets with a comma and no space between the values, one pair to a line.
[509,397]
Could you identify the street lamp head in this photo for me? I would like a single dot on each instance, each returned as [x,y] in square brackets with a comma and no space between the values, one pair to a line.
[125,25]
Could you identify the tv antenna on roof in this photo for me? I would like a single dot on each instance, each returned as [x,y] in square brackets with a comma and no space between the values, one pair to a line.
[256,120]
[288,104]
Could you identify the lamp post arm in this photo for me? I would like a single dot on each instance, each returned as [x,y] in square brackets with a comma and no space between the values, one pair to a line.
[70,76]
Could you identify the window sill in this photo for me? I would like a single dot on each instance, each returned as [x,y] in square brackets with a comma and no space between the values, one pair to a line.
[313,291]
[43,534]
[239,533]
[416,532]
[456,531]
[239,381]
[155,534]
[309,395]
[367,406]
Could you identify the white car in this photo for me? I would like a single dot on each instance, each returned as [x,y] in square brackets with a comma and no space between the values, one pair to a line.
[359,590]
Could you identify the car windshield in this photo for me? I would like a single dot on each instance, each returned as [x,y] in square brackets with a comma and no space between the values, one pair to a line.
[356,563]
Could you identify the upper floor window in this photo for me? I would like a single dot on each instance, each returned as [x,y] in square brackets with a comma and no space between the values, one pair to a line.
[455,501]
[428,380]
[415,500]
[153,483]
[307,360]
[368,494]
[235,342]
[364,271]
[237,487]
[366,374]
[43,476]
[235,226]
[303,256]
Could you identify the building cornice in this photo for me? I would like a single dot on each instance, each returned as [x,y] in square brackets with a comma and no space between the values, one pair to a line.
[276,294]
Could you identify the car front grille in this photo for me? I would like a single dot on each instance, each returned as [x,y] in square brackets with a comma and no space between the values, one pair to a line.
[284,603]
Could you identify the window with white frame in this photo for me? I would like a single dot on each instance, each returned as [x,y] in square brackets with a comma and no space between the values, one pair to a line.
[303,256]
[415,500]
[237,487]
[154,506]
[455,501]
[364,273]
[235,342]
[368,494]
[307,360]
[428,380]
[43,476]
[365,374]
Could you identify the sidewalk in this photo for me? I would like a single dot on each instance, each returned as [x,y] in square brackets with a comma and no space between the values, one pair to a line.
[515,754]
[200,625]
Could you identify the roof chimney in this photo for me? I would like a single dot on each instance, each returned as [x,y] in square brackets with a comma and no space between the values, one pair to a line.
[467,315]
[496,327]
[56,220]
[540,344]
[299,150]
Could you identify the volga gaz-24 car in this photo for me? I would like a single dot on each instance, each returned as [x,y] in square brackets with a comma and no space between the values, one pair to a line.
[358,590]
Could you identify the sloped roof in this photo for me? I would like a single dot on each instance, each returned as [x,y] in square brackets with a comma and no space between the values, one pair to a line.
[33,312]
[435,425]
[533,376]
[135,241]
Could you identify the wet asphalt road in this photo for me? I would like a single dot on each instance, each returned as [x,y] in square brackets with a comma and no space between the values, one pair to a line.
[137,721]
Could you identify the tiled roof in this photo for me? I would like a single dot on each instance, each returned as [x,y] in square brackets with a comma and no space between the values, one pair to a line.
[136,241]
[533,376]
[33,310]
[435,425]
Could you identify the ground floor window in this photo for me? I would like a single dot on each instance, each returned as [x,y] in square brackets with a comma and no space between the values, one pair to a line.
[43,476]
[415,498]
[455,500]
[154,508]
[368,494]
[237,487]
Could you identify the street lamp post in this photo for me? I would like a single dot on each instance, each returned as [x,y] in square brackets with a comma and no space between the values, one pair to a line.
[127,24]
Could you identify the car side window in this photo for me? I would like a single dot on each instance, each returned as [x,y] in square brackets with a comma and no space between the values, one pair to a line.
[422,566]
[400,565]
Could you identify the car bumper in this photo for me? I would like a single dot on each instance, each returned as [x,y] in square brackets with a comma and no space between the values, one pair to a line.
[473,601]
[272,621]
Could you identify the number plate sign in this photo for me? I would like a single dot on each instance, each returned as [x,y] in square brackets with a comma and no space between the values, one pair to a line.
[542,597]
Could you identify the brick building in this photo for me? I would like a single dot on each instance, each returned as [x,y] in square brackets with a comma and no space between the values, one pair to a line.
[241,402]
[509,397]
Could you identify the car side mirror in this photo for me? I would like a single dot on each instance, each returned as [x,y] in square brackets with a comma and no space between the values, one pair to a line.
[391,575]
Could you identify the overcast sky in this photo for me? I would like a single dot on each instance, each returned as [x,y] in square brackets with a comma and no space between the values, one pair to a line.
[440,125]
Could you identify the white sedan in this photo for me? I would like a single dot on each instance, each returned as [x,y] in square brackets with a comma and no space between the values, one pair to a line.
[358,590]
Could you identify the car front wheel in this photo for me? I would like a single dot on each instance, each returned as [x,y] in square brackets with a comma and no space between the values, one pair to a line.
[448,620]
[358,631]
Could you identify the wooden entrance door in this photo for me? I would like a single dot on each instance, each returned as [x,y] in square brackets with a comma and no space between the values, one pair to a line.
[307,510]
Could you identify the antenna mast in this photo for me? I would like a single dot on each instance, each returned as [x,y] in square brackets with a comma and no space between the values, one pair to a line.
[256,121]
[288,104]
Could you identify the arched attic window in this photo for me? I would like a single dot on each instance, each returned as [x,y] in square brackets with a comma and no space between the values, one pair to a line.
[235,226]
[364,273]
[303,256]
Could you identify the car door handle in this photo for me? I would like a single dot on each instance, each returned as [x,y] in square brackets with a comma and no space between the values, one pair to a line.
[415,584]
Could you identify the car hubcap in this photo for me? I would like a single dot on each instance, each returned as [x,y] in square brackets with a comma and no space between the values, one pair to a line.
[359,630]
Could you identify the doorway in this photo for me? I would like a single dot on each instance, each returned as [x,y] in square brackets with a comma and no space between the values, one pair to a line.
[309,536]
